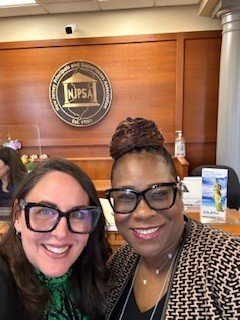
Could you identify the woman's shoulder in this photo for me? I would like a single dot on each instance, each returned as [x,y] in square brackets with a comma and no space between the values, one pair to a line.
[6,278]
[122,262]
[10,303]
[203,228]
[124,255]
[121,266]
[5,289]
[211,238]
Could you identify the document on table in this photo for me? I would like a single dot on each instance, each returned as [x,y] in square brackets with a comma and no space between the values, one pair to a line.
[192,191]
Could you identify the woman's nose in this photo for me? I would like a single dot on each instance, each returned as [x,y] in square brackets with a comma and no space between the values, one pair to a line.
[61,230]
[143,211]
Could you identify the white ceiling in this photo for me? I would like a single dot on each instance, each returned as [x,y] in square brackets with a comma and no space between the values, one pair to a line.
[69,6]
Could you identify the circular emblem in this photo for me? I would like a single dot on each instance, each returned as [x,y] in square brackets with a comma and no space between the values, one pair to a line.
[80,93]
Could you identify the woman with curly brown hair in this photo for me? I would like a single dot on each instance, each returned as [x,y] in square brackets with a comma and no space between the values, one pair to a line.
[53,257]
[172,267]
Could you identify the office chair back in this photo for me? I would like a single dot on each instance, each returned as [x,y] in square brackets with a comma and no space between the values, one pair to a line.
[233,186]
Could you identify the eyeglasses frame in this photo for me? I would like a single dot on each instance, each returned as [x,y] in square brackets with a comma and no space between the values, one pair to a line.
[25,206]
[141,195]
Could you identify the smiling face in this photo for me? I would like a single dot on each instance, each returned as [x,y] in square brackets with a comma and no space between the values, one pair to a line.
[151,233]
[53,253]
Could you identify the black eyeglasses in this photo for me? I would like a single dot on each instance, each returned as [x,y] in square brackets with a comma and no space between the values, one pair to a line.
[43,218]
[160,196]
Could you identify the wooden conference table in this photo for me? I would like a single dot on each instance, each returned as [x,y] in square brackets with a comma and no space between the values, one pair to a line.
[232,224]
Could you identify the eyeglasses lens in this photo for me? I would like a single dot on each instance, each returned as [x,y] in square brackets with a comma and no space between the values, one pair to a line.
[83,220]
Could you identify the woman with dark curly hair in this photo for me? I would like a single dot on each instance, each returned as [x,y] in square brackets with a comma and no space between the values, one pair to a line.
[12,171]
[53,257]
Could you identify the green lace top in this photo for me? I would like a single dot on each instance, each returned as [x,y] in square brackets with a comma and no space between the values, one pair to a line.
[61,306]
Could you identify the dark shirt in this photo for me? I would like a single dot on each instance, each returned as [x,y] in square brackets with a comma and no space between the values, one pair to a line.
[132,311]
[5,197]
[11,307]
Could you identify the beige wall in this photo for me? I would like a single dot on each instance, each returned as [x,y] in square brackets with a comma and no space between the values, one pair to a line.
[107,23]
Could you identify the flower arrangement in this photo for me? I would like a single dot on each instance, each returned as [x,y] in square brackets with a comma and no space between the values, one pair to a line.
[14,144]
[29,161]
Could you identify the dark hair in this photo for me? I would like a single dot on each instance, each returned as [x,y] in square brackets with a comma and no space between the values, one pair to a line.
[132,133]
[17,169]
[89,275]
[139,135]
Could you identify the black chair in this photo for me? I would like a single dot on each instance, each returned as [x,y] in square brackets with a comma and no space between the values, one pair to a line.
[233,187]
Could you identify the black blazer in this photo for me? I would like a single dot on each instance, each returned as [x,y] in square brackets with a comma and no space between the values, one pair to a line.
[11,307]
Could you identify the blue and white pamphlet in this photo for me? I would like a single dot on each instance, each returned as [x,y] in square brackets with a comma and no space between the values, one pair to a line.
[214,195]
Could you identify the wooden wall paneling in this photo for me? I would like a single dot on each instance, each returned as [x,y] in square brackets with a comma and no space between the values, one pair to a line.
[200,88]
[170,78]
[179,82]
[98,168]
[142,74]
[201,80]
[201,153]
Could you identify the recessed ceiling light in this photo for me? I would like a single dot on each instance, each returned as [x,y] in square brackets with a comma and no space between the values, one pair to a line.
[15,2]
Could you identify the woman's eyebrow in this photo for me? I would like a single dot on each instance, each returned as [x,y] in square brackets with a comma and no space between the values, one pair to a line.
[46,203]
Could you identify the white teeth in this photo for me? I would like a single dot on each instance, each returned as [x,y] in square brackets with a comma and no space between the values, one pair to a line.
[146,231]
[56,250]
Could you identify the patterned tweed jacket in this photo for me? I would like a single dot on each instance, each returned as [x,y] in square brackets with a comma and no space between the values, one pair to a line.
[205,282]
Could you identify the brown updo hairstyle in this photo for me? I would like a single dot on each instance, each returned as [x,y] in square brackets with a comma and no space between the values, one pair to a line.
[132,133]
[138,135]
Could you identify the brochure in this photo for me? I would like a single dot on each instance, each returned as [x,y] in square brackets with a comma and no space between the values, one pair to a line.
[214,195]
